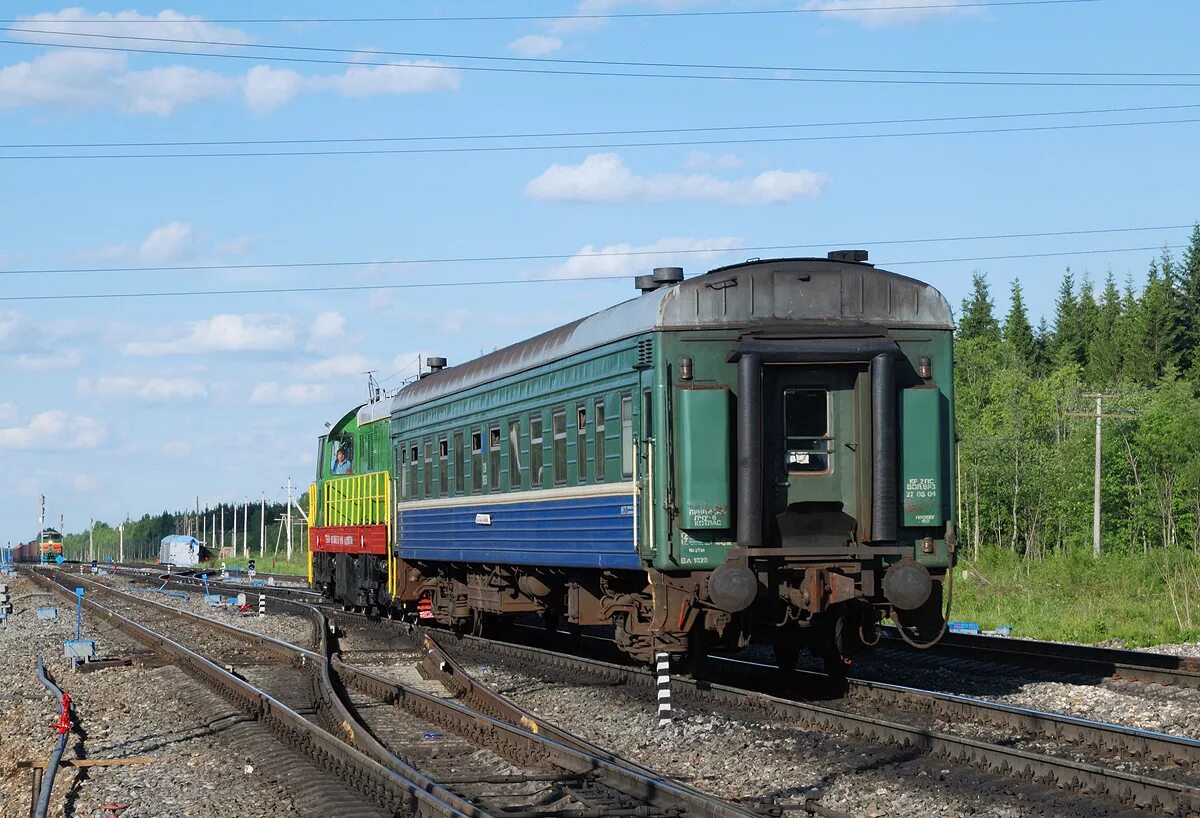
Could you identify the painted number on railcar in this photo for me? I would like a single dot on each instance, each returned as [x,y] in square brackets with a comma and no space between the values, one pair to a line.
[918,494]
[483,519]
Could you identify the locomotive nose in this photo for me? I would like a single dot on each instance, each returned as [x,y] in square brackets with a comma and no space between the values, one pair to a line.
[907,584]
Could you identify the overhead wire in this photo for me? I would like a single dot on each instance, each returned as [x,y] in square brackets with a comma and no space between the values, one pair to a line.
[777,77]
[599,254]
[596,145]
[505,281]
[608,63]
[585,16]
[610,132]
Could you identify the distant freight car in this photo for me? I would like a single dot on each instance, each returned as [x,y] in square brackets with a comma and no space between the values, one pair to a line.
[180,551]
[760,453]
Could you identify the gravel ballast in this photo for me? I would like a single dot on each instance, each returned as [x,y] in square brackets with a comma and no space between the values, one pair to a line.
[200,766]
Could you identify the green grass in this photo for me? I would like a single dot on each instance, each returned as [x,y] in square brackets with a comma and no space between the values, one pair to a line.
[1075,597]
[272,565]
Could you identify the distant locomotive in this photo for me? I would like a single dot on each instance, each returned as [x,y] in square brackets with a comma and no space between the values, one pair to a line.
[758,453]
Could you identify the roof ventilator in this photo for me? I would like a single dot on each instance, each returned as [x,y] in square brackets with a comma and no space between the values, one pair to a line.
[858,256]
[667,275]
[645,283]
[435,364]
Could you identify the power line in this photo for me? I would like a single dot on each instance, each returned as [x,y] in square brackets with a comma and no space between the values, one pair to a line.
[555,134]
[1141,83]
[568,17]
[565,256]
[608,63]
[502,281]
[598,145]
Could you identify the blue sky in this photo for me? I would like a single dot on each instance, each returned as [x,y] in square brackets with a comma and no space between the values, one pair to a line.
[126,405]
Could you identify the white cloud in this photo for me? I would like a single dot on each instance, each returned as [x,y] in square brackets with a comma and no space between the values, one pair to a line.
[8,411]
[883,13]
[327,326]
[151,389]
[698,160]
[222,333]
[271,393]
[603,177]
[535,45]
[10,322]
[237,246]
[267,88]
[65,78]
[85,483]
[168,23]
[74,79]
[54,430]
[335,366]
[177,449]
[627,259]
[49,361]
[169,242]
[402,77]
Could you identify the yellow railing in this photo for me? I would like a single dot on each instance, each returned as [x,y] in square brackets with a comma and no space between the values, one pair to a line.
[362,499]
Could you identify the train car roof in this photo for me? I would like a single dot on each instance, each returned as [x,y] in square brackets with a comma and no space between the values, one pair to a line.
[812,291]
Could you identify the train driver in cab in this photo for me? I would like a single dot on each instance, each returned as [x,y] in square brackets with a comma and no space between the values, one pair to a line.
[341,463]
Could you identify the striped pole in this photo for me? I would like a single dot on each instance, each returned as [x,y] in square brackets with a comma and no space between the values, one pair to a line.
[663,666]
[262,604]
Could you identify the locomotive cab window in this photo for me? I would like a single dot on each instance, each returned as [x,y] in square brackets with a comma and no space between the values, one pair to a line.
[341,460]
[806,431]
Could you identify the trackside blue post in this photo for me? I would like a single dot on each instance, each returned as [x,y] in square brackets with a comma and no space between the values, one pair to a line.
[78,613]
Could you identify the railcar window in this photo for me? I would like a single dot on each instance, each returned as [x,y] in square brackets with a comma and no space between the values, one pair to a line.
[535,451]
[560,446]
[412,471]
[443,462]
[459,477]
[806,430]
[599,440]
[428,467]
[402,468]
[477,461]
[320,455]
[494,458]
[627,436]
[514,454]
[581,449]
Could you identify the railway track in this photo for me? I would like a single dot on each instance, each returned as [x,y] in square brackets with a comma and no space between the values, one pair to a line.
[1122,765]
[404,750]
[1057,659]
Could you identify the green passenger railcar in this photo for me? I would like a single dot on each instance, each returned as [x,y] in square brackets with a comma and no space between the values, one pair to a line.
[761,452]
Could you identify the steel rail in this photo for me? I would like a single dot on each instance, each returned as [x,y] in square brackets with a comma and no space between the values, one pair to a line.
[636,782]
[1146,745]
[1120,786]
[376,782]
[492,712]
[1060,657]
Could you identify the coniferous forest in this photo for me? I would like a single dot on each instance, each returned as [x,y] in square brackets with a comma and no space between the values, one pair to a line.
[1026,405]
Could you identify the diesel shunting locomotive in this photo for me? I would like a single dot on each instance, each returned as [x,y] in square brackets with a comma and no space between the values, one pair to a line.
[759,453]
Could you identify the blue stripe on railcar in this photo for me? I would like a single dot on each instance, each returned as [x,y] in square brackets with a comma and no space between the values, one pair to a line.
[575,532]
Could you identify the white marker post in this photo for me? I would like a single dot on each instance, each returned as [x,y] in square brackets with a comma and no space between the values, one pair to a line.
[663,666]
[262,604]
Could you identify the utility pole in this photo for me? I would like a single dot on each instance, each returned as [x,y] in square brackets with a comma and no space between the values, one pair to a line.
[234,509]
[1098,415]
[121,547]
[246,528]
[204,529]
[91,544]
[222,528]
[262,523]
[289,519]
